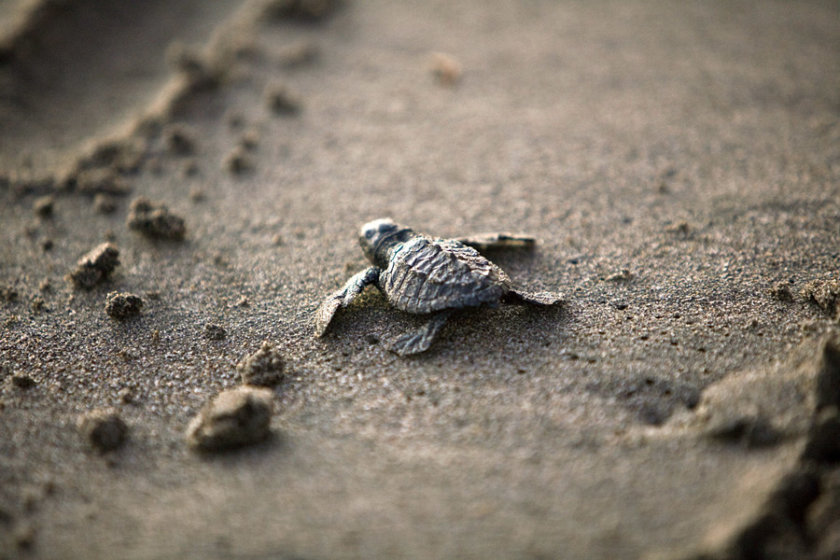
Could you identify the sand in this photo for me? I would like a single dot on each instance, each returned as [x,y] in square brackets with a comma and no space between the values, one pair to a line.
[678,164]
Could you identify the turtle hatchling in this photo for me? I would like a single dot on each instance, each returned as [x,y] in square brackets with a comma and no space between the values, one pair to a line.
[430,276]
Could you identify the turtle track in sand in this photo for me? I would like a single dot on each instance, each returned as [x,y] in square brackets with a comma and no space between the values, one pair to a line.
[74,74]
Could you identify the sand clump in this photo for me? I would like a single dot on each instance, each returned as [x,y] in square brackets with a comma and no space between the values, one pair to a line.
[212,331]
[238,162]
[281,101]
[122,306]
[250,139]
[154,220]
[104,203]
[103,429]
[680,229]
[96,266]
[445,69]
[823,294]
[24,535]
[233,418]
[623,275]
[265,367]
[44,206]
[180,140]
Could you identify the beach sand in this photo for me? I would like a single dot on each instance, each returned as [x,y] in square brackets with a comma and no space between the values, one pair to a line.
[678,164]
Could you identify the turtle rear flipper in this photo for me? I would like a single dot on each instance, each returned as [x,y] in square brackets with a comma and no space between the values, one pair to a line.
[421,339]
[536,298]
[343,297]
[498,240]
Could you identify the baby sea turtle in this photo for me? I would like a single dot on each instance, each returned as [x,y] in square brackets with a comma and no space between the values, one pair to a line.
[424,275]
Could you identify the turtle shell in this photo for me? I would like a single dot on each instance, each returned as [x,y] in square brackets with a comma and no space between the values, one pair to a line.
[426,275]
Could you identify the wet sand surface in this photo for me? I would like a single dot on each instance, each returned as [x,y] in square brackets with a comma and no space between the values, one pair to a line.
[680,166]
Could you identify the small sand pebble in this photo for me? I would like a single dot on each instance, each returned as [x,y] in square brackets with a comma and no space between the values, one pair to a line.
[664,180]
[823,294]
[212,331]
[446,70]
[281,101]
[44,206]
[127,396]
[103,429]
[24,536]
[264,367]
[23,381]
[250,139]
[197,195]
[123,306]
[621,276]
[47,244]
[233,418]
[179,139]
[237,161]
[96,266]
[680,228]
[104,203]
[154,220]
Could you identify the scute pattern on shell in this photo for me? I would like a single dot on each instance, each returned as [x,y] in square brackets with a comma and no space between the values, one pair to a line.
[426,275]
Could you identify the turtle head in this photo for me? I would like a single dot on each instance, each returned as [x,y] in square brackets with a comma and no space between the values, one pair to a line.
[379,237]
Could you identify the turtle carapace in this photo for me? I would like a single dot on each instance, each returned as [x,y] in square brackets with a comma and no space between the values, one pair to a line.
[429,276]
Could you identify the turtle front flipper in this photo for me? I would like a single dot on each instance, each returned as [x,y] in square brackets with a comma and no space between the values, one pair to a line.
[343,297]
[495,241]
[537,298]
[420,340]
